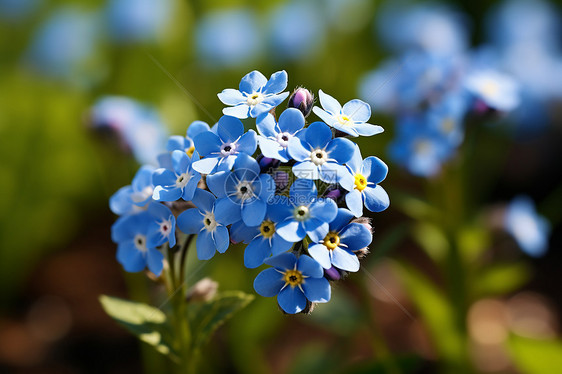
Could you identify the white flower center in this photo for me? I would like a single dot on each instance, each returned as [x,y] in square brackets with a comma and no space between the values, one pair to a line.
[422,147]
[283,139]
[142,195]
[318,156]
[301,213]
[344,120]
[255,98]
[244,190]
[228,149]
[209,221]
[165,227]
[140,243]
[182,179]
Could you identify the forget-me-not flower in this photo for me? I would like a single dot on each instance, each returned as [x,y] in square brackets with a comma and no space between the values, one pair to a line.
[529,229]
[319,156]
[219,150]
[178,182]
[244,192]
[208,222]
[302,212]
[498,91]
[134,197]
[351,118]
[342,238]
[255,95]
[294,281]
[364,186]
[162,229]
[275,136]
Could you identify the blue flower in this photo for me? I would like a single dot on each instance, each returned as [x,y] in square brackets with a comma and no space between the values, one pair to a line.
[530,230]
[351,118]
[133,197]
[178,182]
[275,136]
[496,90]
[130,232]
[319,156]
[338,245]
[182,143]
[243,193]
[256,94]
[364,187]
[302,213]
[294,280]
[162,228]
[132,21]
[263,240]
[220,150]
[446,117]
[208,222]
[419,148]
[228,38]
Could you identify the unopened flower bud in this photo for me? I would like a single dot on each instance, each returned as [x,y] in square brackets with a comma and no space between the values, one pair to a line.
[332,274]
[204,290]
[334,194]
[302,99]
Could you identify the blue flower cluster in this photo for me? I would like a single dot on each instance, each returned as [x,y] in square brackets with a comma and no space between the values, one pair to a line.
[293,192]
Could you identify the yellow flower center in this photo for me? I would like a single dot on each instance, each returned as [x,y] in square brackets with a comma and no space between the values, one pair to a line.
[267,229]
[293,278]
[345,120]
[190,151]
[360,182]
[255,98]
[332,240]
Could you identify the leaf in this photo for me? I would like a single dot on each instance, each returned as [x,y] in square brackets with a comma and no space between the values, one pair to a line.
[148,323]
[501,279]
[205,318]
[536,356]
[436,311]
[432,239]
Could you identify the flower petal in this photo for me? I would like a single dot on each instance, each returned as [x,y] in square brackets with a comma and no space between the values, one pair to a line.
[155,261]
[239,111]
[257,251]
[204,200]
[374,169]
[268,283]
[291,120]
[376,199]
[345,260]
[318,134]
[190,221]
[291,231]
[283,261]
[321,254]
[227,211]
[206,143]
[253,213]
[354,202]
[230,96]
[276,83]
[205,245]
[229,129]
[252,82]
[221,239]
[291,300]
[317,290]
[358,110]
[367,129]
[329,104]
[340,149]
[342,219]
[355,236]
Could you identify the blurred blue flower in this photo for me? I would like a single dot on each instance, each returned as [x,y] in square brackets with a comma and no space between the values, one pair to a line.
[178,182]
[351,118]
[139,127]
[208,222]
[134,197]
[263,240]
[319,156]
[496,90]
[294,281]
[296,30]
[130,232]
[17,10]
[529,229]
[162,228]
[447,116]
[228,38]
[220,150]
[244,192]
[275,135]
[339,243]
[435,28]
[65,43]
[256,94]
[131,21]
[364,187]
[302,213]
[418,147]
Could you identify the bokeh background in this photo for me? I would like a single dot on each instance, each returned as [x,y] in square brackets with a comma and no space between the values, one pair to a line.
[495,309]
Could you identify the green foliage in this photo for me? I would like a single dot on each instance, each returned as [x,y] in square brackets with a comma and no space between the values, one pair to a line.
[146,322]
[500,279]
[205,318]
[536,356]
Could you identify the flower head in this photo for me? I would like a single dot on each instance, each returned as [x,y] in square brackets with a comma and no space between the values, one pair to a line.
[208,222]
[255,95]
[219,150]
[339,243]
[178,182]
[275,136]
[295,282]
[351,118]
[529,229]
[135,196]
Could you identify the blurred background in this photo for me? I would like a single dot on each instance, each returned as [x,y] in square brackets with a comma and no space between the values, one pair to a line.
[464,270]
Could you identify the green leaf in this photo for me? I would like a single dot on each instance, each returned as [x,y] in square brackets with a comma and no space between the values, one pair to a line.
[148,323]
[205,318]
[536,356]
[432,239]
[501,279]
